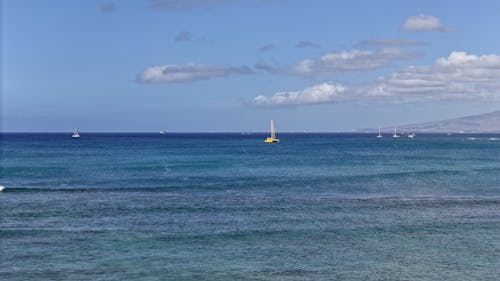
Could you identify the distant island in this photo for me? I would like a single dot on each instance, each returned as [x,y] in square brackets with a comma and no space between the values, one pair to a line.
[482,123]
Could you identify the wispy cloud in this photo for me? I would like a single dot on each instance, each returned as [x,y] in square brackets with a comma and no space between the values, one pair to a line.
[267,47]
[458,76]
[425,22]
[306,44]
[107,7]
[351,60]
[186,36]
[188,72]
[183,36]
[327,92]
[169,5]
[265,67]
[377,42]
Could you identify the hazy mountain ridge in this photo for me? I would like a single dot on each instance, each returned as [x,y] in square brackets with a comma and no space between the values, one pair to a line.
[482,123]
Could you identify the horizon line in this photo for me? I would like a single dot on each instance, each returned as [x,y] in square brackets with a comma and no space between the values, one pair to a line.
[244,132]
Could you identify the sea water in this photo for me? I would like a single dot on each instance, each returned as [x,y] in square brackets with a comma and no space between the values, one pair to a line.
[231,207]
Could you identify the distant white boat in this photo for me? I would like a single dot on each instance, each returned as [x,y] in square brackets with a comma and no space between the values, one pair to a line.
[471,138]
[395,135]
[2,188]
[411,135]
[379,136]
[493,139]
[75,134]
[163,132]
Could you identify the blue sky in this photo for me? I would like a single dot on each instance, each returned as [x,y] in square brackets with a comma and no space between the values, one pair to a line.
[209,65]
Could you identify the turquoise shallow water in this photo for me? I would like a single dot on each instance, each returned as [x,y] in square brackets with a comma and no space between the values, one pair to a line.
[229,207]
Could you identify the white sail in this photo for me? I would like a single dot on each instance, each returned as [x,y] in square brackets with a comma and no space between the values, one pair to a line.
[273,133]
[395,133]
[75,134]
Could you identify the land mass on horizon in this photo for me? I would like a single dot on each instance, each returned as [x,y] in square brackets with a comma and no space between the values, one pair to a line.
[482,123]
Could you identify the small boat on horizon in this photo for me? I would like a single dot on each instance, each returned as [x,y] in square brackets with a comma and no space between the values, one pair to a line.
[272,137]
[411,135]
[395,135]
[75,134]
[163,132]
[379,136]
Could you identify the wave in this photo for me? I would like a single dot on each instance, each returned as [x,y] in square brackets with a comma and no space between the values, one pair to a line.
[321,195]
[86,189]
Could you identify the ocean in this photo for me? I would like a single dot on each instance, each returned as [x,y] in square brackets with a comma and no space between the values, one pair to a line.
[231,207]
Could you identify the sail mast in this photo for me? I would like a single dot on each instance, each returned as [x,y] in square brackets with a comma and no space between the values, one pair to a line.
[273,133]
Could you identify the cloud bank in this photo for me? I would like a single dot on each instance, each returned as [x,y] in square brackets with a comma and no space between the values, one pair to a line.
[327,92]
[458,76]
[425,22]
[351,60]
[172,73]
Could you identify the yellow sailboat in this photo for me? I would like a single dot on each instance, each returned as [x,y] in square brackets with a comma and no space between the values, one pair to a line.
[272,138]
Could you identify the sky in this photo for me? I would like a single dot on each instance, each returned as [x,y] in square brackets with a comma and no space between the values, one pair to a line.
[232,65]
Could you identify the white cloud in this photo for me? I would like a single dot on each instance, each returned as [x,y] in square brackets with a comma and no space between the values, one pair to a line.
[424,22]
[327,92]
[188,72]
[351,60]
[458,76]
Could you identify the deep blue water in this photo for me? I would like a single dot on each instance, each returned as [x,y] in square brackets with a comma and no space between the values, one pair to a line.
[230,207]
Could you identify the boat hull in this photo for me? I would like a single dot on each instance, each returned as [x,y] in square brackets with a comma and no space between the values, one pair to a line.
[270,140]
